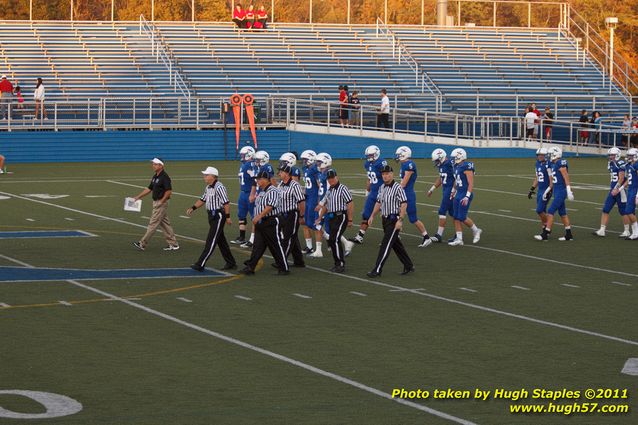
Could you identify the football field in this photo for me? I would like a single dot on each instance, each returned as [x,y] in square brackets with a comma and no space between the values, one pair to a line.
[138,338]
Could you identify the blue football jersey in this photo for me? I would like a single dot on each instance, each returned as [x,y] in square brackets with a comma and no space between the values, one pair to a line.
[247,173]
[461,177]
[268,168]
[406,166]
[310,176]
[373,170]
[559,181]
[615,168]
[542,174]
[296,172]
[446,172]
[323,183]
[631,174]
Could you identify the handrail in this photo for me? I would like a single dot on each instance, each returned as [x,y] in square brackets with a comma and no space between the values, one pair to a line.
[399,49]
[160,51]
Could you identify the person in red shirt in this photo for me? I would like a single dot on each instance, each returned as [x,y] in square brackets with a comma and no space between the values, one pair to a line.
[239,16]
[2,169]
[343,106]
[538,121]
[6,94]
[262,17]
[250,17]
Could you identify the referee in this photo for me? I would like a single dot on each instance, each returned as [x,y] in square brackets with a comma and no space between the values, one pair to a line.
[291,213]
[267,226]
[337,206]
[392,202]
[217,204]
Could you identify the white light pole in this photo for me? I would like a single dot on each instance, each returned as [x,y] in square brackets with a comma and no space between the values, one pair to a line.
[611,24]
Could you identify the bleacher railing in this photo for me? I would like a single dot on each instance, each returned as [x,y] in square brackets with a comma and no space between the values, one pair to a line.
[421,125]
[160,51]
[399,51]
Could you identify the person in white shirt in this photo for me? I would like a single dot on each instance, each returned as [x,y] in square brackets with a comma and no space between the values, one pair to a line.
[38,96]
[530,123]
[384,112]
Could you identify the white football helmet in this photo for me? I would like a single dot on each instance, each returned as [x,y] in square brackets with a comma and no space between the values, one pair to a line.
[323,160]
[372,153]
[261,158]
[632,155]
[458,155]
[308,157]
[555,153]
[438,156]
[541,151]
[403,153]
[247,153]
[614,154]
[289,159]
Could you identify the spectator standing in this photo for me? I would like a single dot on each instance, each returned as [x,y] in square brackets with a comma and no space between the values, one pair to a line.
[38,96]
[262,18]
[355,107]
[584,128]
[383,119]
[18,91]
[161,188]
[596,124]
[634,133]
[343,106]
[250,17]
[530,123]
[538,120]
[2,169]
[626,130]
[6,93]
[548,123]
[239,16]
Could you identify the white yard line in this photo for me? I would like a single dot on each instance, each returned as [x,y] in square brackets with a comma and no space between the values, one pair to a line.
[307,297]
[569,285]
[4,305]
[241,297]
[65,303]
[468,289]
[186,300]
[522,288]
[432,296]
[361,294]
[621,283]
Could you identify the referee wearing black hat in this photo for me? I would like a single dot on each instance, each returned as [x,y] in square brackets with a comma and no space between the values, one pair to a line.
[215,198]
[267,226]
[293,206]
[338,208]
[392,202]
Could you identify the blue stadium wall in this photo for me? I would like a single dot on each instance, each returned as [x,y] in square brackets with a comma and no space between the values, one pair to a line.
[122,146]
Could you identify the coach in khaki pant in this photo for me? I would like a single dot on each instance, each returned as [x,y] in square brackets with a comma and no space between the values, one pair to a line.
[161,189]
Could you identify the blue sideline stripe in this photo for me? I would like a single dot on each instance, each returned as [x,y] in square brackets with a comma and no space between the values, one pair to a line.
[46,234]
[24,274]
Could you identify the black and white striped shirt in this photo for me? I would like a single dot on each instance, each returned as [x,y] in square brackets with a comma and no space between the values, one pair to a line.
[291,196]
[391,197]
[270,197]
[215,196]
[337,198]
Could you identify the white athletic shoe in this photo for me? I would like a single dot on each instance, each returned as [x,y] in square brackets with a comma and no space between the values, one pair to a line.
[633,237]
[347,247]
[316,254]
[456,242]
[599,232]
[171,248]
[426,243]
[477,236]
[625,234]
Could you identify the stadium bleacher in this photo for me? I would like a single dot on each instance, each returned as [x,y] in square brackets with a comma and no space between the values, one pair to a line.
[478,70]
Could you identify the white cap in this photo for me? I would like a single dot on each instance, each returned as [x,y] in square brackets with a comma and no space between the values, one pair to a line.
[212,171]
[157,161]
[4,76]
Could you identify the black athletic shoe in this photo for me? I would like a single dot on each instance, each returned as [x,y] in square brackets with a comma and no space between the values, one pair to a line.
[238,241]
[247,244]
[356,240]
[373,274]
[308,251]
[247,271]
[229,266]
[407,271]
[197,267]
[139,246]
[436,238]
[338,269]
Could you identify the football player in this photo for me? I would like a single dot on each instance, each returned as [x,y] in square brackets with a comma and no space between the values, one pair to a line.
[541,182]
[373,165]
[463,196]
[560,186]
[310,180]
[631,185]
[290,159]
[446,182]
[247,173]
[616,195]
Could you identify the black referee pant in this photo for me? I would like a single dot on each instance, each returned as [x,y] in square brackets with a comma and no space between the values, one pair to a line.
[390,242]
[289,236]
[337,226]
[267,235]
[216,237]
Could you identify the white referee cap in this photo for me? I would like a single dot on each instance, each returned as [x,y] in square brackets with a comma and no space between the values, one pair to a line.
[212,171]
[157,161]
